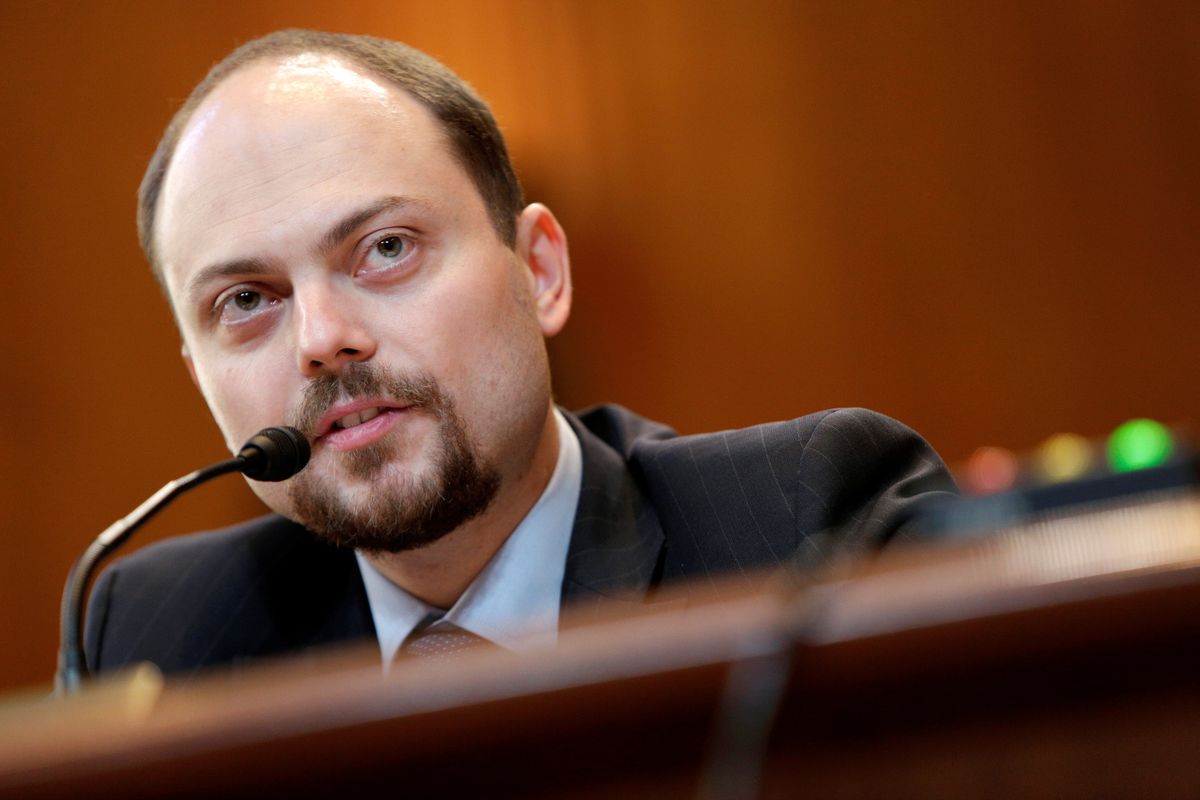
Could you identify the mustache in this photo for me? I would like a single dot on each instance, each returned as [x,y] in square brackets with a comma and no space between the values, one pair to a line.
[417,389]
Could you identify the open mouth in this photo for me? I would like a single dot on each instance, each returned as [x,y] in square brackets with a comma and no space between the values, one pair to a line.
[359,428]
[356,418]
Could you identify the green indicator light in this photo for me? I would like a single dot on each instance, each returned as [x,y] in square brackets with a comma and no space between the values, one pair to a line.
[1138,444]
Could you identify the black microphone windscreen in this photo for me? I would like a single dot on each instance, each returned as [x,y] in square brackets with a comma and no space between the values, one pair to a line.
[274,454]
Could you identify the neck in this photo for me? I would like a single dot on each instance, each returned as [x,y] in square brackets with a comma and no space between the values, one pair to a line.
[439,573]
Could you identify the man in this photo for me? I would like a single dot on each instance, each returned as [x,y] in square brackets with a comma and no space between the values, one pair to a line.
[345,248]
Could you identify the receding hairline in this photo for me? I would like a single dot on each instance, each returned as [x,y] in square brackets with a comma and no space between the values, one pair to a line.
[187,115]
[276,61]
[430,80]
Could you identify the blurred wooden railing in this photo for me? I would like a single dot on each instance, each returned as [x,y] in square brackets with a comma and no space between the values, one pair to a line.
[1038,663]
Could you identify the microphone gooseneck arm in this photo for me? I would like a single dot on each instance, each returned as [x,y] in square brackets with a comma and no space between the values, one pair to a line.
[71,662]
[273,454]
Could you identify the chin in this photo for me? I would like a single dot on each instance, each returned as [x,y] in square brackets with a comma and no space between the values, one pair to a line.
[380,505]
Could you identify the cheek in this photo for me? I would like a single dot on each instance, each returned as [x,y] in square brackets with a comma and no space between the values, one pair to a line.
[509,385]
[242,396]
[487,332]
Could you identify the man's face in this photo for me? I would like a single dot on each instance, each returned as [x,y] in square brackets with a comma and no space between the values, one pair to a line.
[333,267]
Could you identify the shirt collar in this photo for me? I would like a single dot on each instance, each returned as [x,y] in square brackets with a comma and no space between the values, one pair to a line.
[515,600]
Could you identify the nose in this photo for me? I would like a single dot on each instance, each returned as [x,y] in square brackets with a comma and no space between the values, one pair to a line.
[330,333]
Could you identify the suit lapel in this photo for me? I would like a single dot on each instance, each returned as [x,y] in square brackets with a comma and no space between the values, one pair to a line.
[349,615]
[617,540]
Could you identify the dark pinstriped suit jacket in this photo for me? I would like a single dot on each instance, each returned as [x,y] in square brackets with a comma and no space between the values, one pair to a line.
[655,509]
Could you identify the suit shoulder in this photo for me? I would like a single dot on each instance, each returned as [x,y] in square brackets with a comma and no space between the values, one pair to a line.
[860,422]
[859,436]
[167,561]
[208,564]
[627,432]
[857,428]
[253,590]
[620,428]
[754,495]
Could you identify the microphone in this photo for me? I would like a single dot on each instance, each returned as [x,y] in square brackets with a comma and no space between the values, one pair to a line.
[272,454]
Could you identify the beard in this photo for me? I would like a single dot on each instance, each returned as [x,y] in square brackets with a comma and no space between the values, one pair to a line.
[401,513]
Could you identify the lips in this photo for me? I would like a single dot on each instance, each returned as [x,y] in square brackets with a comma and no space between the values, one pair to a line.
[355,418]
[347,426]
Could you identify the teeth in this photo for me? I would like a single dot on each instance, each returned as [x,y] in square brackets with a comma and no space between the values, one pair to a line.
[356,418]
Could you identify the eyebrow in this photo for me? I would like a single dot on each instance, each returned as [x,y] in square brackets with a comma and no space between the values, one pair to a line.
[334,236]
[342,230]
[238,266]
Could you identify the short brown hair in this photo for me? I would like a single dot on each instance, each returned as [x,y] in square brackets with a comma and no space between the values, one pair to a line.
[475,139]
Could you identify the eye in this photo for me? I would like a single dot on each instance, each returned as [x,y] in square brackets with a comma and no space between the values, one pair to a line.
[391,247]
[247,301]
[241,304]
[390,252]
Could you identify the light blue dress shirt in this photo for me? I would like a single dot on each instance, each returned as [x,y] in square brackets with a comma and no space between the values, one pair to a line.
[514,602]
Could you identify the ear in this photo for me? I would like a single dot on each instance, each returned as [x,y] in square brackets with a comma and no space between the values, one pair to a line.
[187,361]
[542,246]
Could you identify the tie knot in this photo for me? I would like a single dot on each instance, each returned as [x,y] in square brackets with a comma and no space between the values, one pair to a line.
[441,641]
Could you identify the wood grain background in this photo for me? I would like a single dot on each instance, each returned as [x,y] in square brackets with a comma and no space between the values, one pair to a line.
[979,217]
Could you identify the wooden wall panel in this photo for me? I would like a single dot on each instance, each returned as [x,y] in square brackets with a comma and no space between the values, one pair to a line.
[978,217]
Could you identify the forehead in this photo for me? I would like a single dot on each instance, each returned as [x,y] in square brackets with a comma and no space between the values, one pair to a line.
[286,142]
